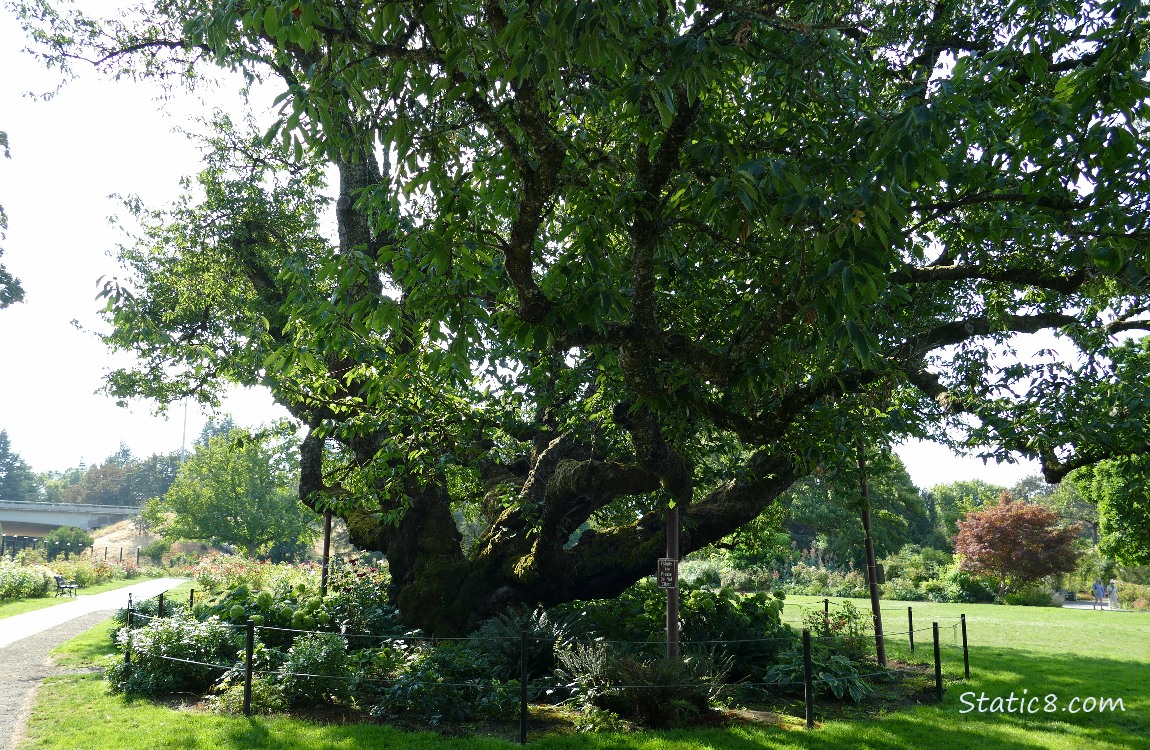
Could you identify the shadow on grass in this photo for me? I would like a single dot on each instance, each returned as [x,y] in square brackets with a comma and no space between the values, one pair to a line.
[951,725]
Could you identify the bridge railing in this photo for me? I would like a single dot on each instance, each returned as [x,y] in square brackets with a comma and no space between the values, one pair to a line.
[70,507]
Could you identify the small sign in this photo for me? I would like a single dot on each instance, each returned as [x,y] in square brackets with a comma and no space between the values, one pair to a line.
[668,573]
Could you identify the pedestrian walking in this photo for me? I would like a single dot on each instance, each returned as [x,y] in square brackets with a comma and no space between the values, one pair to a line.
[1099,592]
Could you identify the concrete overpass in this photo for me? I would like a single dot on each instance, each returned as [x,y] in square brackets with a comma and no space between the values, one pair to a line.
[53,515]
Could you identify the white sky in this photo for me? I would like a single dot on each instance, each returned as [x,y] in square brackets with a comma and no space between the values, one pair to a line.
[69,154]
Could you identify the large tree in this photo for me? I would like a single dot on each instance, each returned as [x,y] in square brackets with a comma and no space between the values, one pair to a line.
[597,258]
[828,507]
[122,479]
[17,480]
[1119,492]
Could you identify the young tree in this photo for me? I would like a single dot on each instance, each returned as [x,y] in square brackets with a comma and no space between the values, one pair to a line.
[67,539]
[588,251]
[237,490]
[1015,544]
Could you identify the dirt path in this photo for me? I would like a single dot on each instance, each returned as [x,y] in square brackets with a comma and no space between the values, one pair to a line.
[27,639]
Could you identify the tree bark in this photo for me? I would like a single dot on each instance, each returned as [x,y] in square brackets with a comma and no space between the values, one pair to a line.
[524,557]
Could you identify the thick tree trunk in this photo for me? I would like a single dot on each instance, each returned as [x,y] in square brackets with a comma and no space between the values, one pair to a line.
[523,558]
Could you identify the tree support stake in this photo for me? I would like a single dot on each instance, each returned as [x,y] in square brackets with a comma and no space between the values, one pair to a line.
[808,680]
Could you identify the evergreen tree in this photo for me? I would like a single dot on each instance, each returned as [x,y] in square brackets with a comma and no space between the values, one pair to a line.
[17,480]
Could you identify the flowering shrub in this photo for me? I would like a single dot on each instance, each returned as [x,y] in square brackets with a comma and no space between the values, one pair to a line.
[357,598]
[751,579]
[1133,596]
[28,576]
[87,572]
[23,581]
[219,572]
[176,654]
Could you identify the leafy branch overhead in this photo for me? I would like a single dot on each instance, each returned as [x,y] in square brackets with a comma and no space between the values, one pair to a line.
[594,258]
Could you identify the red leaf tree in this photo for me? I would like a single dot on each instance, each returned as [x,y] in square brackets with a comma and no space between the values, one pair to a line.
[1015,544]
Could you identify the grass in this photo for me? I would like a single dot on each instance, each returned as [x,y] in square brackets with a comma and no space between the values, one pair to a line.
[87,650]
[1026,651]
[1036,629]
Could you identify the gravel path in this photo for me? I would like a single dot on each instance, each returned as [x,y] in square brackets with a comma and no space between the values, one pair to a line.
[25,664]
[27,639]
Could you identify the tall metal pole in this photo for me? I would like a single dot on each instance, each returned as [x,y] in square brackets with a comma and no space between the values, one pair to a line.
[673,593]
[871,568]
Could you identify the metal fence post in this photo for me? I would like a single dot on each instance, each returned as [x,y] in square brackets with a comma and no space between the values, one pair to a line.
[808,679]
[937,666]
[910,626]
[191,600]
[965,649]
[249,653]
[523,689]
[128,640]
[160,606]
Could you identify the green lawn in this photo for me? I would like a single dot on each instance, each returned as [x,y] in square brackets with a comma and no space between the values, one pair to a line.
[1043,629]
[1030,652]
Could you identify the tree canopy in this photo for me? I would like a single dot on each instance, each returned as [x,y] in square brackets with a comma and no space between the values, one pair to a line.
[827,507]
[596,258]
[237,489]
[17,480]
[949,502]
[1015,544]
[10,289]
[1120,490]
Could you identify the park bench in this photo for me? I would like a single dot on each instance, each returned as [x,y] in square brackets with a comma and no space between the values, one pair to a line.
[65,587]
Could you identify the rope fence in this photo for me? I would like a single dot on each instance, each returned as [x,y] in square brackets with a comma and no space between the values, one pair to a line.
[811,682]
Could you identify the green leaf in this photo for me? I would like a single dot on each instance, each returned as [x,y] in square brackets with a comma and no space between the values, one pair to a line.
[272,21]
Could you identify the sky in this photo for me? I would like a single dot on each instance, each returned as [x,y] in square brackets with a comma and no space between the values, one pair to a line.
[96,138]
